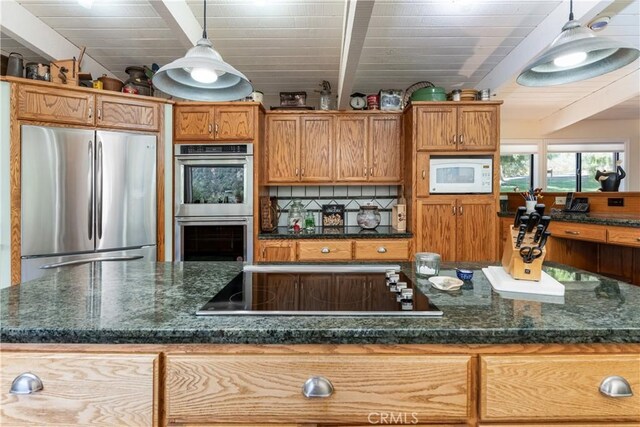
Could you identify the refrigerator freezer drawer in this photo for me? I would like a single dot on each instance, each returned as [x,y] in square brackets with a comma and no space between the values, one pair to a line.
[33,268]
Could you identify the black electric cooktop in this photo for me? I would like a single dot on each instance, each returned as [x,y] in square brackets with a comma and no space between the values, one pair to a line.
[323,291]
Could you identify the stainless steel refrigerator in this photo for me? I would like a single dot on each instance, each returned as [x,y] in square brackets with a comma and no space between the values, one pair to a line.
[87,196]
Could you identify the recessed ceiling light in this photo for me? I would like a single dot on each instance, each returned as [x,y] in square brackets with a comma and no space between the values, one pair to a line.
[599,23]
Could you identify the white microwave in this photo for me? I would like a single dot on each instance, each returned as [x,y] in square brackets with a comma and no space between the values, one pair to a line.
[470,175]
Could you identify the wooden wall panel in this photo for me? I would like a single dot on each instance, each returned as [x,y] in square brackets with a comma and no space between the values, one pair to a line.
[15,186]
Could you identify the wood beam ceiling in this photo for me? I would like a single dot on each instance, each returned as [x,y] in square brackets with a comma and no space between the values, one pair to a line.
[179,17]
[24,27]
[356,23]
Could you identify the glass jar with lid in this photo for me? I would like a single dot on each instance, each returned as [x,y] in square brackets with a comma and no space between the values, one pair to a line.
[296,216]
[368,217]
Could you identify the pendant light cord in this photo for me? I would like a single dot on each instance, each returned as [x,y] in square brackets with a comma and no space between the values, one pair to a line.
[570,9]
[204,28]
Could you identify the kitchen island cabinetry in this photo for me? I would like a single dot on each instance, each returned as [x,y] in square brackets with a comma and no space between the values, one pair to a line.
[368,149]
[459,229]
[299,149]
[446,127]
[81,389]
[276,250]
[214,122]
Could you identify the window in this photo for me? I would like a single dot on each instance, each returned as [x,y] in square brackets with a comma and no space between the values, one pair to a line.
[562,166]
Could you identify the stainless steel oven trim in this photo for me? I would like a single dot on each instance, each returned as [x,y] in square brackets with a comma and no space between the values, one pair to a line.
[246,221]
[200,210]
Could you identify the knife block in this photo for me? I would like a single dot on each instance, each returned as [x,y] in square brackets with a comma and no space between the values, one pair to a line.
[513,262]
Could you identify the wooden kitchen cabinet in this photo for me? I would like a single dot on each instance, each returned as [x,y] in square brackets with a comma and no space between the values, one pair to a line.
[201,388]
[381,250]
[82,389]
[276,250]
[521,388]
[459,229]
[457,127]
[54,105]
[324,250]
[368,148]
[299,149]
[213,123]
[117,112]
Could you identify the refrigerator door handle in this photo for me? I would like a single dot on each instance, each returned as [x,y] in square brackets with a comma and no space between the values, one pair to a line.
[91,184]
[84,261]
[99,191]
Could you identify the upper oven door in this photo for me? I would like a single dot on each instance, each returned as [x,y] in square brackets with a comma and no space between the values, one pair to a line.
[207,185]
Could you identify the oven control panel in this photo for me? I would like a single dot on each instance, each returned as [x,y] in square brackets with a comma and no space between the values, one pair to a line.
[216,149]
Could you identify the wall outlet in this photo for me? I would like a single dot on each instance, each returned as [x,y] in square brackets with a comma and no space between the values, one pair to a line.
[561,200]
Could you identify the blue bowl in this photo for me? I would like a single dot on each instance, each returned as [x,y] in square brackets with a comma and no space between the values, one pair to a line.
[464,274]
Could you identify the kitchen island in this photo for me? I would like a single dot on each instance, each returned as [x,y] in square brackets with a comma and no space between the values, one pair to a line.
[119,343]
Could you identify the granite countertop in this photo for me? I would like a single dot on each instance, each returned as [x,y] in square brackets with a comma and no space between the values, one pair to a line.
[621,220]
[380,232]
[136,302]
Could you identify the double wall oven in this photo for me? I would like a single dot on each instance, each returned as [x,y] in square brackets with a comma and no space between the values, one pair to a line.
[213,202]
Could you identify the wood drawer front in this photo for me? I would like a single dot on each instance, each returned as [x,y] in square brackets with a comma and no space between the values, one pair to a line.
[330,250]
[81,389]
[624,236]
[557,388]
[382,249]
[55,105]
[123,113]
[268,388]
[572,230]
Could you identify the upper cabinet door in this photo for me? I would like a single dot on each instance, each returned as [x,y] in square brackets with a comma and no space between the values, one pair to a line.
[436,128]
[477,127]
[282,149]
[193,123]
[233,123]
[126,113]
[55,105]
[384,148]
[316,149]
[351,148]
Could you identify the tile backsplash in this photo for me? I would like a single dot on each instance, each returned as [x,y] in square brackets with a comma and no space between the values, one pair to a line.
[313,197]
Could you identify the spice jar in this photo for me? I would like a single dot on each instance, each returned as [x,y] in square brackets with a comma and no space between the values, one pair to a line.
[368,217]
[456,95]
[427,264]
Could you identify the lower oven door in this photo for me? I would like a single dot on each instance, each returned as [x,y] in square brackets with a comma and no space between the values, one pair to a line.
[214,239]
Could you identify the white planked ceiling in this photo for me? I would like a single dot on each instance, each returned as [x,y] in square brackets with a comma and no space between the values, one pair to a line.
[292,45]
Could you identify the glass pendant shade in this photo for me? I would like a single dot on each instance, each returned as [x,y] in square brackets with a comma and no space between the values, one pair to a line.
[202,75]
[576,54]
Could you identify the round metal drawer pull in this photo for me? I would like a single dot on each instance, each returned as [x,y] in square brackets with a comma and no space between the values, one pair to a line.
[317,387]
[382,250]
[26,383]
[325,250]
[615,386]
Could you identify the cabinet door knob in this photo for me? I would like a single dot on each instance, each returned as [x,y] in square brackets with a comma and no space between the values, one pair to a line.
[454,139]
[615,386]
[424,174]
[461,139]
[302,172]
[99,113]
[382,250]
[460,209]
[364,171]
[216,129]
[370,171]
[26,383]
[574,233]
[325,250]
[317,387]
[210,128]
[453,210]
[90,112]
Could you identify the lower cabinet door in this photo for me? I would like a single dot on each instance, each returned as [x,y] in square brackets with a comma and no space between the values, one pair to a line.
[269,388]
[81,389]
[558,388]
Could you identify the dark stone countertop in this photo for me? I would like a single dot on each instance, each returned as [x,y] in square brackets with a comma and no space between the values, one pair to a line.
[380,232]
[136,302]
[620,220]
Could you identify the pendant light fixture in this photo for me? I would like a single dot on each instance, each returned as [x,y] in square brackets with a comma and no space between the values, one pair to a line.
[576,54]
[202,74]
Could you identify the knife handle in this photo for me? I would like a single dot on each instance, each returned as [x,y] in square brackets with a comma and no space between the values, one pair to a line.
[540,208]
[521,210]
[539,231]
[543,239]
